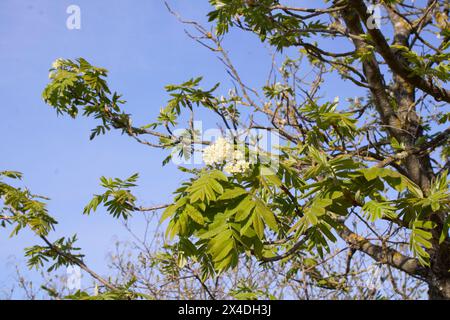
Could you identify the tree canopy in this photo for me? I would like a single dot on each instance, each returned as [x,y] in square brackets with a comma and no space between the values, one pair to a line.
[366,175]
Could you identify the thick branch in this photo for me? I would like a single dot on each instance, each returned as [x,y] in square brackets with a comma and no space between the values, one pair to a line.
[398,66]
[382,255]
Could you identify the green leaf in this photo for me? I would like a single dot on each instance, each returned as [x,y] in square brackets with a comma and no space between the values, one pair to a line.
[258,225]
[267,215]
[194,214]
[232,193]
[376,210]
[244,208]
[206,187]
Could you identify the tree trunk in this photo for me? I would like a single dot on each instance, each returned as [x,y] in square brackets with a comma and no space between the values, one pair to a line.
[403,123]
[439,289]
[439,284]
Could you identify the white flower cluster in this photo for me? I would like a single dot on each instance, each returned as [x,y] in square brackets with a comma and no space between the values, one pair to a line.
[237,166]
[222,151]
[218,152]
[57,63]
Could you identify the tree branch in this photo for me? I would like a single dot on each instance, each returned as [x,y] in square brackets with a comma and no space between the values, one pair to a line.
[398,66]
[79,263]
[382,255]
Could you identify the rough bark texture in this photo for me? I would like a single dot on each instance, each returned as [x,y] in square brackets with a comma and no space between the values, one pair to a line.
[440,290]
[403,123]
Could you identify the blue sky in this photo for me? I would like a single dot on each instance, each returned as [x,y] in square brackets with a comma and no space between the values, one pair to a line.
[144,48]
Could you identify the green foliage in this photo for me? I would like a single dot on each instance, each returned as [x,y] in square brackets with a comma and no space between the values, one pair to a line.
[376,210]
[24,208]
[25,211]
[277,90]
[186,95]
[221,215]
[420,64]
[118,199]
[77,85]
[234,215]
[325,174]
[215,218]
[206,187]
[245,291]
[62,252]
[326,116]
[420,240]
[254,13]
[10,174]
[275,26]
[122,293]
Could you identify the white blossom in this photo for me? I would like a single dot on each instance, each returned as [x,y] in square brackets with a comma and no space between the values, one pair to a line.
[223,152]
[218,152]
[336,100]
[238,166]
[57,63]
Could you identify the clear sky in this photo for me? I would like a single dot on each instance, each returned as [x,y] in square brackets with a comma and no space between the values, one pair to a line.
[144,48]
